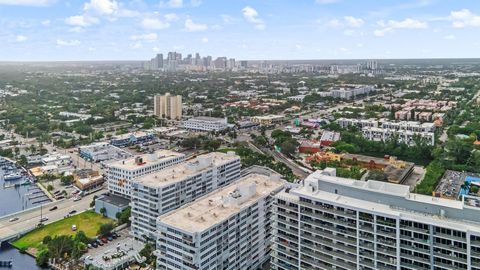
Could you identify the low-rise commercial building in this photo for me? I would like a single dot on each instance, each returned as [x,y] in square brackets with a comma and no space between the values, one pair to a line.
[267,120]
[168,189]
[204,123]
[87,179]
[125,140]
[228,229]
[112,205]
[121,173]
[102,151]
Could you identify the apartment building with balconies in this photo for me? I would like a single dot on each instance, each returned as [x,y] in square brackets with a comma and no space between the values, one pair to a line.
[121,173]
[168,189]
[228,229]
[330,222]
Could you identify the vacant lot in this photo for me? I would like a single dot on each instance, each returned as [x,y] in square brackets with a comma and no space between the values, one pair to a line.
[88,222]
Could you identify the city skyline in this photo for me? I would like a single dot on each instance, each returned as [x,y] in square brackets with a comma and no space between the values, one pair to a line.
[50,30]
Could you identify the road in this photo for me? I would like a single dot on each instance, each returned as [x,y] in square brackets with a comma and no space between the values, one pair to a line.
[296,169]
[30,218]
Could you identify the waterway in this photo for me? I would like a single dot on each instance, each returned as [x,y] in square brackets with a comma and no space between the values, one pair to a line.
[16,196]
[20,261]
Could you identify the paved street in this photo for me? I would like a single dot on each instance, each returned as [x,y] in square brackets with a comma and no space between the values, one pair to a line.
[30,219]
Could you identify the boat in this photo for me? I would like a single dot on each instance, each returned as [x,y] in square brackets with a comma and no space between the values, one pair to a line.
[12,176]
[6,263]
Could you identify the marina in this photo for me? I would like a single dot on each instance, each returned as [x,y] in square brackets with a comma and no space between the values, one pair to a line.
[17,189]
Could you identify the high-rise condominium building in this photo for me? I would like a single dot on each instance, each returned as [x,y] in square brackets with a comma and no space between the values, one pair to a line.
[168,106]
[158,193]
[228,229]
[336,223]
[121,173]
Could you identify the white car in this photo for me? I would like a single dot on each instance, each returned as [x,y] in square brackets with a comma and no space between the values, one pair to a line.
[13,219]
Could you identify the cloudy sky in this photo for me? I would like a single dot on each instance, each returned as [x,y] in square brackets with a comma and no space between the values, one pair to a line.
[254,29]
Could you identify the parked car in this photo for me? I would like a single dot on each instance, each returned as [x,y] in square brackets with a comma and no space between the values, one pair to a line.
[74,227]
[99,242]
[94,244]
[13,219]
[110,238]
[77,199]
[115,235]
[89,246]
[54,208]
[104,239]
[72,212]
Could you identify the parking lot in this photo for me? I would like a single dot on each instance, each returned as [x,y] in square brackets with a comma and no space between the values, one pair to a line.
[116,254]
[111,244]
[451,184]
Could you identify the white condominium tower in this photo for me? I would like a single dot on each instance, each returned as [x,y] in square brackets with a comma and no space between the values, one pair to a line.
[228,229]
[336,223]
[168,106]
[120,173]
[168,189]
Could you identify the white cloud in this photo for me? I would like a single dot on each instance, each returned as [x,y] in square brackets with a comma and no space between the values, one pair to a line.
[335,23]
[46,22]
[81,20]
[464,18]
[20,38]
[103,7]
[172,4]
[190,26]
[156,49]
[154,23]
[205,40]
[382,32]
[171,17]
[33,3]
[146,37]
[251,15]
[353,22]
[76,29]
[391,25]
[408,23]
[450,37]
[325,2]
[61,42]
[347,21]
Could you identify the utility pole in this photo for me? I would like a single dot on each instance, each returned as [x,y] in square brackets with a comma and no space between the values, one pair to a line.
[41,208]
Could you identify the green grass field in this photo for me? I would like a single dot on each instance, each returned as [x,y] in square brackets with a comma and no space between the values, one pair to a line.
[88,222]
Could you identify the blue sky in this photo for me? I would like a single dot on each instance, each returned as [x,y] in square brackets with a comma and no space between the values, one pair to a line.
[263,29]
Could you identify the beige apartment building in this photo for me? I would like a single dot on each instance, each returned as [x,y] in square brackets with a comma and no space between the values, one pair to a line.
[168,106]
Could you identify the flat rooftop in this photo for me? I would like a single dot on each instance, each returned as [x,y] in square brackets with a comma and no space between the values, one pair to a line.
[114,200]
[207,118]
[389,199]
[188,168]
[148,159]
[222,204]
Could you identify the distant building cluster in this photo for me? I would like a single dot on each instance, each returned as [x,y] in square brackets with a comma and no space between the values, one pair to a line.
[176,62]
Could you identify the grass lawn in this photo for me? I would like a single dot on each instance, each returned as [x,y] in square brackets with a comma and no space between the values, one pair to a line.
[88,222]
